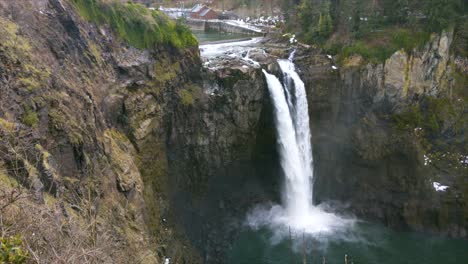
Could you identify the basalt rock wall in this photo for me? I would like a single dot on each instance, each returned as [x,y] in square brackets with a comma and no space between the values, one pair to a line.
[384,133]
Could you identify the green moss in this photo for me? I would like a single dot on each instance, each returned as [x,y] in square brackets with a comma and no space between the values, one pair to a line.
[433,116]
[14,46]
[120,153]
[57,119]
[61,121]
[6,125]
[33,78]
[165,71]
[6,180]
[136,24]
[376,54]
[461,82]
[11,250]
[153,165]
[409,119]
[18,50]
[186,97]
[30,118]
[30,84]
[117,136]
[409,39]
[95,52]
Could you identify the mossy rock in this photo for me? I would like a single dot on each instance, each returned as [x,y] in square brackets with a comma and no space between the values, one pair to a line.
[189,94]
[19,51]
[186,97]
[120,151]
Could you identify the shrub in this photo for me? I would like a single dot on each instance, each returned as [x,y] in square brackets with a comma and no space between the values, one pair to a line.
[379,47]
[11,251]
[30,118]
[375,54]
[460,42]
[433,115]
[409,40]
[136,24]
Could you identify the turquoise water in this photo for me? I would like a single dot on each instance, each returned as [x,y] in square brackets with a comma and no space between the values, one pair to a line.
[204,37]
[367,243]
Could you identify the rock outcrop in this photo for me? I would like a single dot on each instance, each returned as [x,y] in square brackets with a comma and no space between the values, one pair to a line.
[384,133]
[83,122]
[141,153]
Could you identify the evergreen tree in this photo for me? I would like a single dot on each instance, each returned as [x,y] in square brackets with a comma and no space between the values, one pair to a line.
[328,24]
[306,14]
[441,13]
[322,27]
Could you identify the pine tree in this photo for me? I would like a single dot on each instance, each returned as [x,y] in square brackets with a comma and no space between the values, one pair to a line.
[322,27]
[328,24]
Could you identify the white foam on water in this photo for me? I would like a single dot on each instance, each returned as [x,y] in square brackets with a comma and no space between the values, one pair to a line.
[212,50]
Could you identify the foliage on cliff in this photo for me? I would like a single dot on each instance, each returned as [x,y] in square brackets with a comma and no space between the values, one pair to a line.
[374,29]
[439,125]
[378,47]
[137,25]
[11,251]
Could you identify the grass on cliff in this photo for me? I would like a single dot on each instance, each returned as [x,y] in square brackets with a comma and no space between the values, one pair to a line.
[137,25]
[30,117]
[378,47]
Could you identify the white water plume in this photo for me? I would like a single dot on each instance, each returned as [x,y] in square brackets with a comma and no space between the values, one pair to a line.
[294,146]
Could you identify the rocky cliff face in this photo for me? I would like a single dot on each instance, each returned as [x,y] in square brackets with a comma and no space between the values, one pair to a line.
[383,134]
[84,120]
[125,153]
[222,157]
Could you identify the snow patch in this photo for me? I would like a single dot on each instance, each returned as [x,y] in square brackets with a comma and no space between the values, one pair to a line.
[242,24]
[427,160]
[293,39]
[213,50]
[464,160]
[439,187]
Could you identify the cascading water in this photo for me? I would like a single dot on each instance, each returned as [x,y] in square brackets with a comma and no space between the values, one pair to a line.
[294,145]
[299,109]
[297,186]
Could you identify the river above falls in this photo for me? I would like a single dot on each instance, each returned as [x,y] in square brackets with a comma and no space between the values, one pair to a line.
[367,243]
[206,37]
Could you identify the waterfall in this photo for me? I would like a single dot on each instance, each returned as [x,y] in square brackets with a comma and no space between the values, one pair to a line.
[293,136]
[300,115]
[298,189]
[291,115]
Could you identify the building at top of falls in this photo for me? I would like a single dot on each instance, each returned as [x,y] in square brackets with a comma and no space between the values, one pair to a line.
[200,11]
